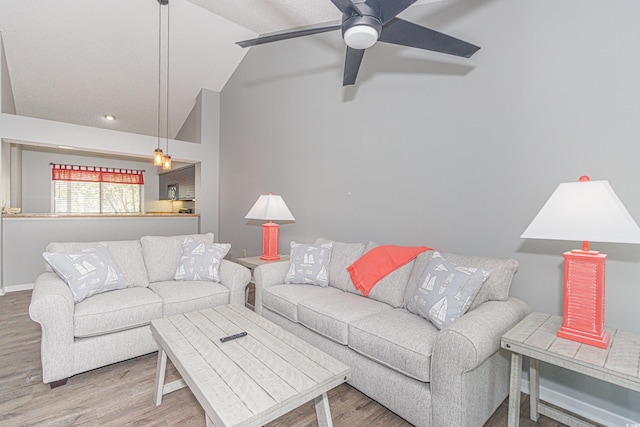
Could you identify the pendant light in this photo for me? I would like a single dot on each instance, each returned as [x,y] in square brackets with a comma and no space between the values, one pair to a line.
[159,158]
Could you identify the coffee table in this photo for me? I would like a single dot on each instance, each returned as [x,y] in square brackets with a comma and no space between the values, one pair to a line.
[248,381]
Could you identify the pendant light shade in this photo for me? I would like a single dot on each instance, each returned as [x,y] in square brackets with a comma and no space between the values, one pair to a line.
[166,164]
[158,157]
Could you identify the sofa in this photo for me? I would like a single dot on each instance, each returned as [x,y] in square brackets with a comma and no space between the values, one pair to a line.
[113,326]
[454,376]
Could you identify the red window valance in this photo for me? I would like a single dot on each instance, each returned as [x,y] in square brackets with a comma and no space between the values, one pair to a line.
[96,174]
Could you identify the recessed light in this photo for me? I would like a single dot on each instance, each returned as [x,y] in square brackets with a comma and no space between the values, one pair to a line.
[65,147]
[110,117]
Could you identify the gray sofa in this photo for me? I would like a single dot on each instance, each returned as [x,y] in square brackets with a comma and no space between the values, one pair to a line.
[456,376]
[113,326]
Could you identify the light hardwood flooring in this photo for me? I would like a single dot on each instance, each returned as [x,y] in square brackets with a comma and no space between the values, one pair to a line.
[122,394]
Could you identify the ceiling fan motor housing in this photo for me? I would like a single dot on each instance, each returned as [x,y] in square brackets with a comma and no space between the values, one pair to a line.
[361,31]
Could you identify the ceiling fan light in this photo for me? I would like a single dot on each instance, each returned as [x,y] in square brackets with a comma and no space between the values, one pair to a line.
[361,37]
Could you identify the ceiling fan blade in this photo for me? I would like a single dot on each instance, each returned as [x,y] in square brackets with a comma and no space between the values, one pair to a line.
[352,65]
[391,8]
[345,5]
[405,33]
[287,35]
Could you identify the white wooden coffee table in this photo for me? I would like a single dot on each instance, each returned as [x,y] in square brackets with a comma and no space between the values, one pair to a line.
[248,381]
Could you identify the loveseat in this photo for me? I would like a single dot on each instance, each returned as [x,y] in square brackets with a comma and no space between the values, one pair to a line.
[454,376]
[113,326]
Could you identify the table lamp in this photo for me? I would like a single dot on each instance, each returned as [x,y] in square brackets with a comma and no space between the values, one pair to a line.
[270,208]
[584,211]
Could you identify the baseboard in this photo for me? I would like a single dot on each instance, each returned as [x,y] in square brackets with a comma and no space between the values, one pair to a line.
[578,407]
[17,288]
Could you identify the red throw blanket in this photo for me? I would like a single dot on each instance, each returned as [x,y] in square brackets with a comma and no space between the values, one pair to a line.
[371,267]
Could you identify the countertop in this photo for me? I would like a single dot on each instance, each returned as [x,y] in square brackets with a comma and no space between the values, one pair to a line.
[100,216]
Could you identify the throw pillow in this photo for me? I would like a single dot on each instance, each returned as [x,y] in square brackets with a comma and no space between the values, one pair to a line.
[87,272]
[201,260]
[446,290]
[309,264]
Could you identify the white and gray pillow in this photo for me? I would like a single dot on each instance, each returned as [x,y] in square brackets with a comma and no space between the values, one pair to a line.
[446,291]
[309,264]
[201,260]
[87,272]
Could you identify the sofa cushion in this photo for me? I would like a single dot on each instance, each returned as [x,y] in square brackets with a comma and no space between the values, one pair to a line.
[496,288]
[162,254]
[309,264]
[116,311]
[342,256]
[87,272]
[182,297]
[126,253]
[391,288]
[331,314]
[201,261]
[284,299]
[397,339]
[446,291]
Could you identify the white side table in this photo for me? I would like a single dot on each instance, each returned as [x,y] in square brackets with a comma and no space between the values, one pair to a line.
[251,263]
[535,337]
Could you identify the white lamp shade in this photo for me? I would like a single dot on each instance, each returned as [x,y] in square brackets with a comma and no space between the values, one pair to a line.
[270,207]
[584,211]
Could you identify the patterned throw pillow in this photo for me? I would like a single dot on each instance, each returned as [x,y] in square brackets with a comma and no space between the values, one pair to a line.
[201,260]
[87,272]
[446,291]
[309,264]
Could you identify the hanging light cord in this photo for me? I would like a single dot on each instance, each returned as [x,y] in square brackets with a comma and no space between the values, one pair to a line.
[168,45]
[159,66]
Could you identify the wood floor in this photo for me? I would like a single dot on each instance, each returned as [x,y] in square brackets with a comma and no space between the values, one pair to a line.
[122,394]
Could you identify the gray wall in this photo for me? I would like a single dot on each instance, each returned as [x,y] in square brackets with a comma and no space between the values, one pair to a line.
[24,239]
[455,154]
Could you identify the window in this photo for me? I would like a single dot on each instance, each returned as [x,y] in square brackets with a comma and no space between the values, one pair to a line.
[91,189]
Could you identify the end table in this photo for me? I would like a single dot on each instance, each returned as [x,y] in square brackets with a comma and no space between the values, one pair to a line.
[535,337]
[251,263]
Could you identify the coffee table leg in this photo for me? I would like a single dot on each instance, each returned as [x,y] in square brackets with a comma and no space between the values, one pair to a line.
[323,412]
[160,371]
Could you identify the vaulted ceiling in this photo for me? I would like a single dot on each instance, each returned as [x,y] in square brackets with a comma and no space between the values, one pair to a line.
[76,61]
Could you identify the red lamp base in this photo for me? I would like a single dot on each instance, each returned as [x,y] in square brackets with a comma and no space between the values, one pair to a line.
[584,273]
[270,242]
[601,341]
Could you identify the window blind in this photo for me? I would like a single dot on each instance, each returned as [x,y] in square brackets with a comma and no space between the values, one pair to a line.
[92,189]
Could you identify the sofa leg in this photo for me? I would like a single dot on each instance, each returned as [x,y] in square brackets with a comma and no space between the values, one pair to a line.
[58,383]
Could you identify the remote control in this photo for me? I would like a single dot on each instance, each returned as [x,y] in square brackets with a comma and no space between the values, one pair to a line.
[233,337]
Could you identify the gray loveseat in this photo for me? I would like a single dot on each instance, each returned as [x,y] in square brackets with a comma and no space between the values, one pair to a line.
[113,326]
[456,376]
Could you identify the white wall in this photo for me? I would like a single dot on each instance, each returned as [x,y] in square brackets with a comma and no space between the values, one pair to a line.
[455,154]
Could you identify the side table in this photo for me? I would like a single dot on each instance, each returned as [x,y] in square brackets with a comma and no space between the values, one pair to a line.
[251,263]
[535,337]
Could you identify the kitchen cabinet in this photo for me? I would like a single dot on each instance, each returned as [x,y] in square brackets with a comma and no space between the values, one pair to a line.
[178,184]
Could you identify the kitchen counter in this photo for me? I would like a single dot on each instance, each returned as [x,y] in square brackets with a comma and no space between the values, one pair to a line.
[99,216]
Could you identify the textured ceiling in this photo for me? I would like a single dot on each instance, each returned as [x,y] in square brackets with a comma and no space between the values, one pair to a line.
[75,61]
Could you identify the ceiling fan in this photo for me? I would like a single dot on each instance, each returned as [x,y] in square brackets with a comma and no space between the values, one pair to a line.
[364,22]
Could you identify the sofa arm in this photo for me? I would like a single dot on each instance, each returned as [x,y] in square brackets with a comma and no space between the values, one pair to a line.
[52,307]
[463,347]
[235,278]
[268,275]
